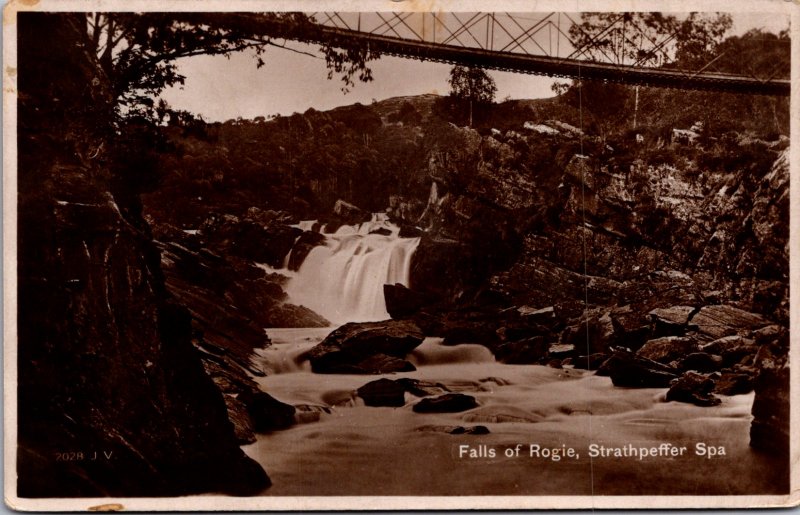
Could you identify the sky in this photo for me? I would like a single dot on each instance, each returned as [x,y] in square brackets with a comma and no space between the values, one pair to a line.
[220,88]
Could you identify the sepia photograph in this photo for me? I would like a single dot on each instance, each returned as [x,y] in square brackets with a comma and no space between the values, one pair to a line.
[395,256]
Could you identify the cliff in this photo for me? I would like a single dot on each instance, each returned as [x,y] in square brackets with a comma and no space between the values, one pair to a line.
[112,396]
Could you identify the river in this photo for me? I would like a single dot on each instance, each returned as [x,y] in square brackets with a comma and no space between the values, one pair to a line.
[534,414]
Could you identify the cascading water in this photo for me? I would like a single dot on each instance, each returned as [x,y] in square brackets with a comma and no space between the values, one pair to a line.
[343,279]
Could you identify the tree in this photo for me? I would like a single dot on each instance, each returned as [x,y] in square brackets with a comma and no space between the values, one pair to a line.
[137,51]
[650,38]
[647,39]
[136,57]
[471,85]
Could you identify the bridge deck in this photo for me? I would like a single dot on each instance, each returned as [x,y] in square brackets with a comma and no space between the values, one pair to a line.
[552,66]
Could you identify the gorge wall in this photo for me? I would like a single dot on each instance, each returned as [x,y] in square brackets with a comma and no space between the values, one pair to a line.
[112,396]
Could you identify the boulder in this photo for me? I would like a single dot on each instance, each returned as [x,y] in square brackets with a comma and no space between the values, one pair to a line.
[307,413]
[544,316]
[266,412]
[714,322]
[628,369]
[733,384]
[375,364]
[560,351]
[447,403]
[409,231]
[671,321]
[667,349]
[693,388]
[353,343]
[350,214]
[514,329]
[422,388]
[731,348]
[402,302]
[700,362]
[769,334]
[383,392]
[527,351]
[595,334]
[631,326]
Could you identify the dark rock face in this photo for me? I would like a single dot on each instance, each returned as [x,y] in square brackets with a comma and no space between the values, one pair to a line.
[402,302]
[105,358]
[304,244]
[351,344]
[530,350]
[249,239]
[592,362]
[447,403]
[445,268]
[733,384]
[770,428]
[231,300]
[240,418]
[627,369]
[266,412]
[701,362]
[537,282]
[693,388]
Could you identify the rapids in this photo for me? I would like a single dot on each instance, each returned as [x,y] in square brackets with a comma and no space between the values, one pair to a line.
[339,446]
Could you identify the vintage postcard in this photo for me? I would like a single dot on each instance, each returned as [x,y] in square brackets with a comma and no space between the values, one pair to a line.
[399,255]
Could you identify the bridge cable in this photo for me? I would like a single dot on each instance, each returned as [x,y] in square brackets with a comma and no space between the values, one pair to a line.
[585,271]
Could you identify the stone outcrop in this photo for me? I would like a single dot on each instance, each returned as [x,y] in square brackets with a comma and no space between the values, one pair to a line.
[231,299]
[249,239]
[106,361]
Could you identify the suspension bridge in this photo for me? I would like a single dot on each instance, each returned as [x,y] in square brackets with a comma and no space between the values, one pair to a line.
[539,43]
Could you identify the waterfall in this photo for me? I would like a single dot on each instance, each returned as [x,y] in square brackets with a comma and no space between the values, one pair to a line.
[343,279]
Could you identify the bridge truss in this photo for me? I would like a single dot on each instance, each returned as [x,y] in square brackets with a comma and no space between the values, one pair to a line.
[539,43]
